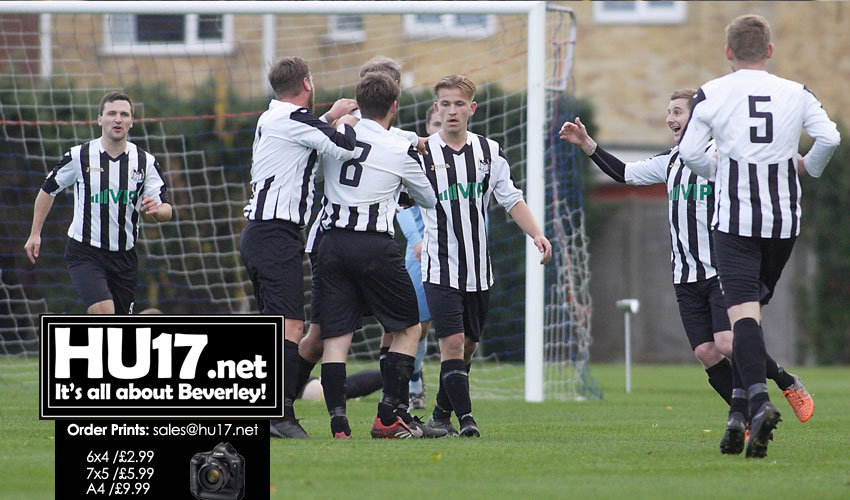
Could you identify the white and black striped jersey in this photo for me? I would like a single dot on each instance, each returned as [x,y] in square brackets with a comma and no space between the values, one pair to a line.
[690,210]
[108,192]
[361,193]
[455,251]
[756,119]
[287,143]
[320,201]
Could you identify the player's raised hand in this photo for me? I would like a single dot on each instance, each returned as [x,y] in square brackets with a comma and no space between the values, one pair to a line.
[542,244]
[576,133]
[420,146]
[32,246]
[341,108]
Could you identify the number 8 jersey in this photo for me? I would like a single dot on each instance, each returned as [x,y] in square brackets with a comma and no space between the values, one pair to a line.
[756,119]
[362,192]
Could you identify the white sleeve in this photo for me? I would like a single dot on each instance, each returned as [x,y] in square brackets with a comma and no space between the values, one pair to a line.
[416,182]
[823,131]
[314,133]
[696,135]
[649,171]
[506,193]
[410,137]
[65,173]
[154,183]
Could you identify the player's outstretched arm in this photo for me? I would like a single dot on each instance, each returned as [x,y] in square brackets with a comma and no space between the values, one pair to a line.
[43,204]
[576,133]
[522,215]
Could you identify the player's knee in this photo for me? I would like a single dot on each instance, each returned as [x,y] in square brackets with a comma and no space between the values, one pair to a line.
[293,329]
[708,354]
[723,342]
[469,347]
[452,347]
[102,307]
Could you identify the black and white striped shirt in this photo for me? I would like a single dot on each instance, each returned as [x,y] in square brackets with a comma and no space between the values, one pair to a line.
[690,210]
[756,119]
[361,193]
[287,143]
[454,249]
[108,192]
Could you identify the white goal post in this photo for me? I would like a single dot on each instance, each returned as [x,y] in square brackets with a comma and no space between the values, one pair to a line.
[536,93]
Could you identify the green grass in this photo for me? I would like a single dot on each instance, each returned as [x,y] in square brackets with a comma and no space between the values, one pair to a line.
[660,441]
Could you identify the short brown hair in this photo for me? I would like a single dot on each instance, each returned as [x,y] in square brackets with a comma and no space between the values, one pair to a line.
[429,113]
[375,94]
[456,82]
[382,64]
[286,75]
[115,96]
[749,37]
[684,94]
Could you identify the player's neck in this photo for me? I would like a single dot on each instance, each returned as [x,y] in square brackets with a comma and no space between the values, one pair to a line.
[756,65]
[113,148]
[454,140]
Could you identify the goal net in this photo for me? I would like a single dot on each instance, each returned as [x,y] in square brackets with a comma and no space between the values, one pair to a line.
[199,83]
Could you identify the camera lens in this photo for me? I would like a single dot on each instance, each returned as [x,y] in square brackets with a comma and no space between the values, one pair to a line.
[212,477]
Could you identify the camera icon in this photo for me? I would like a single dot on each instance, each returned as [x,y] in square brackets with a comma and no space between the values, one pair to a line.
[218,474]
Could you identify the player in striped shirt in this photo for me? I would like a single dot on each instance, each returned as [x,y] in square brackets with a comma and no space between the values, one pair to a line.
[114,181]
[361,267]
[311,346]
[287,142]
[756,119]
[690,209]
[465,170]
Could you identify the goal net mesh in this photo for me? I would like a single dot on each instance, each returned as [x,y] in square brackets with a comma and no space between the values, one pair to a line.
[199,84]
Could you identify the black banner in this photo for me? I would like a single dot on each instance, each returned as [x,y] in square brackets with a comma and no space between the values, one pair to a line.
[161,366]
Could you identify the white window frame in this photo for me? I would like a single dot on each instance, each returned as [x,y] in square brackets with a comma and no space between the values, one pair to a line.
[337,35]
[645,12]
[447,27]
[192,45]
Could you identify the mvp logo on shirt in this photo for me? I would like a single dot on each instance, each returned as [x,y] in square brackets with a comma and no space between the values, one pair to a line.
[690,192]
[122,196]
[466,191]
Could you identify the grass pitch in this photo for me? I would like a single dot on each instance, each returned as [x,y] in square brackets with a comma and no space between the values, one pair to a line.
[660,441]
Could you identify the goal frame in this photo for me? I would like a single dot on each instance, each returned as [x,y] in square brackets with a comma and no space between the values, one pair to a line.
[535,11]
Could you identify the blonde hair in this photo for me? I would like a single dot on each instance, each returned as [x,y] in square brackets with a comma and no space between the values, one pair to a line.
[684,94]
[466,86]
[749,37]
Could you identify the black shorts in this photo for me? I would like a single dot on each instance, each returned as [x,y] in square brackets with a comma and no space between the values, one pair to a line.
[362,272]
[316,288]
[702,309]
[457,311]
[749,268]
[273,253]
[100,275]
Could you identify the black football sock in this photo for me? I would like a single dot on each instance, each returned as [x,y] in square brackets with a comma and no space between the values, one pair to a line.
[404,366]
[389,397]
[363,383]
[750,355]
[739,400]
[454,376]
[290,377]
[333,386]
[775,372]
[305,368]
[443,408]
[382,358]
[720,378]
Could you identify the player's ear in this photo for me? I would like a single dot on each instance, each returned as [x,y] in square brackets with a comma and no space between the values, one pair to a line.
[472,107]
[730,55]
[769,51]
[100,120]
